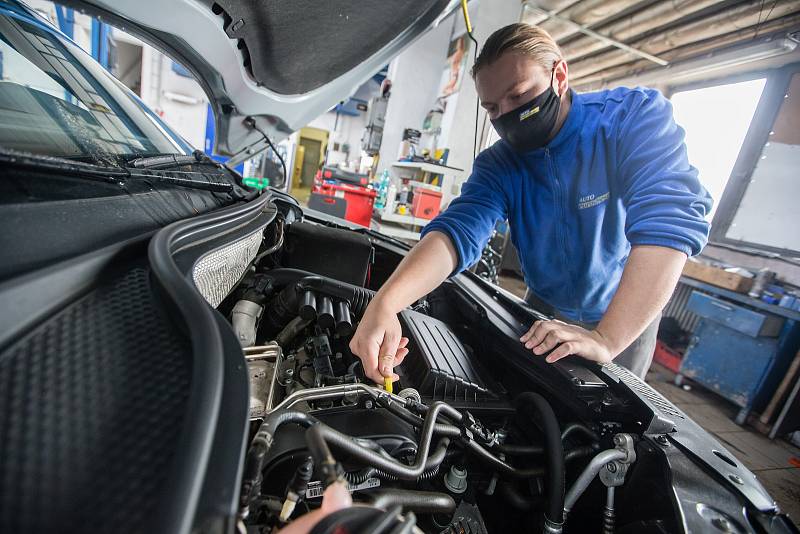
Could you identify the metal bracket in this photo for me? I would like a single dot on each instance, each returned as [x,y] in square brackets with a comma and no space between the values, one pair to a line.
[613,473]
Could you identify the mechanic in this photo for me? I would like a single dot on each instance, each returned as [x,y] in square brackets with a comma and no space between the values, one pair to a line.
[603,205]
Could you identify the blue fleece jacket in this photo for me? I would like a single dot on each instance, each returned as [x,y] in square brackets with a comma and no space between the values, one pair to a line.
[615,175]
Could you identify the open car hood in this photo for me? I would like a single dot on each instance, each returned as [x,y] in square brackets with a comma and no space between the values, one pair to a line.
[282,62]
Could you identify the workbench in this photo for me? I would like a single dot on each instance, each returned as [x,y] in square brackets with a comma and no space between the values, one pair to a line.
[741,346]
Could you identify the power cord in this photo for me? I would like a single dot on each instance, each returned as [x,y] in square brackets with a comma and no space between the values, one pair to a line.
[468,25]
[251,122]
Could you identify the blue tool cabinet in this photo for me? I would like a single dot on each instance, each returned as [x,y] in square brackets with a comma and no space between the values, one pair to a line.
[740,348]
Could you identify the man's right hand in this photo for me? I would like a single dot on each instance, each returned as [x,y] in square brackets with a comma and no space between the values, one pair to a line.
[379,342]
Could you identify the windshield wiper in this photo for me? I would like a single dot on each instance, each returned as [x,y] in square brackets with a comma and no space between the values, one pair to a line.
[116,175]
[172,160]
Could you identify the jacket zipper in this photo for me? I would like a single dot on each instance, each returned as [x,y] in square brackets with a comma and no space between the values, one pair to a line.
[561,217]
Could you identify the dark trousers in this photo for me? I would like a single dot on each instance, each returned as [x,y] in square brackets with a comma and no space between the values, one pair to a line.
[639,354]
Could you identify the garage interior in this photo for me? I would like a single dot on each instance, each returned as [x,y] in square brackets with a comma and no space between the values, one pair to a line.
[393,155]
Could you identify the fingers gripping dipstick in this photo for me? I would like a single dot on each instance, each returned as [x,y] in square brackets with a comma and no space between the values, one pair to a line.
[386,367]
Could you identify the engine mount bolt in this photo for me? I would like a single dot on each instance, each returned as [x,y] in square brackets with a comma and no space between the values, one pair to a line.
[612,467]
[368,404]
[662,440]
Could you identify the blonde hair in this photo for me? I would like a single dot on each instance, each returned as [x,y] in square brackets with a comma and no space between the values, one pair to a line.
[526,39]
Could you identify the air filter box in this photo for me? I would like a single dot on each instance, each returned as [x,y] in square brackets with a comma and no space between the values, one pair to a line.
[438,365]
[339,254]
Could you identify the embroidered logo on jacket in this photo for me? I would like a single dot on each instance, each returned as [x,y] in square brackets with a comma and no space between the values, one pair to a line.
[590,201]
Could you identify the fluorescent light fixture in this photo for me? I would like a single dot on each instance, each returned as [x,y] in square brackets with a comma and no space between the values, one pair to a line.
[706,65]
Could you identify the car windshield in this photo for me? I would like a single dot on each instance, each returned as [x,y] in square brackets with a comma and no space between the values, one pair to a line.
[56,101]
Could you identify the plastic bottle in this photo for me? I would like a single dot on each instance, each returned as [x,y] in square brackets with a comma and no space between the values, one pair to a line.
[383,189]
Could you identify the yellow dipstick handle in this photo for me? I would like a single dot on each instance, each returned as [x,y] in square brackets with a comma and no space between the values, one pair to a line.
[466,16]
[387,383]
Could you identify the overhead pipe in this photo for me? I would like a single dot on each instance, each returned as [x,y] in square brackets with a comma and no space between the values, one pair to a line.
[584,13]
[734,19]
[649,18]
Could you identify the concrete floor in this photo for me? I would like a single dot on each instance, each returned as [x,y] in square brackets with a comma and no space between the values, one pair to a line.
[776,463]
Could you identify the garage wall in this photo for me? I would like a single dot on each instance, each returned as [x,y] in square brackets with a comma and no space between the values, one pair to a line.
[415,79]
[349,128]
[487,16]
[416,74]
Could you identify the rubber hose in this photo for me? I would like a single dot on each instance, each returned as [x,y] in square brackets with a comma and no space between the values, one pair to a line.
[353,519]
[440,429]
[284,275]
[340,441]
[500,465]
[354,478]
[323,459]
[521,450]
[579,452]
[427,475]
[291,330]
[554,450]
[259,447]
[580,428]
[513,497]
[535,450]
[431,465]
[426,502]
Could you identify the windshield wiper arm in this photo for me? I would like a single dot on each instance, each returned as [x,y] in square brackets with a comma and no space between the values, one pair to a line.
[116,175]
[171,160]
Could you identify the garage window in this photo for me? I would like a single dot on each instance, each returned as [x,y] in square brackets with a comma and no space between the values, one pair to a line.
[716,120]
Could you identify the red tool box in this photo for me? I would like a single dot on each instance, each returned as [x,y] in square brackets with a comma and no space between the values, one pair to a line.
[426,203]
[359,200]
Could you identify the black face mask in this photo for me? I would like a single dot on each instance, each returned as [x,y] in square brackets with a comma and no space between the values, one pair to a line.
[528,127]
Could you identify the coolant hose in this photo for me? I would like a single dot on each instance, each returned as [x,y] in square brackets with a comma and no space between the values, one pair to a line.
[425,502]
[357,451]
[431,467]
[397,408]
[554,451]
[500,465]
[520,450]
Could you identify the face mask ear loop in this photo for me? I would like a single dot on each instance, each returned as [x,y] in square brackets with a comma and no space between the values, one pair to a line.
[558,97]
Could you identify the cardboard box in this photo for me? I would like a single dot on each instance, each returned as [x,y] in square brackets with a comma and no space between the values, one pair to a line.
[717,277]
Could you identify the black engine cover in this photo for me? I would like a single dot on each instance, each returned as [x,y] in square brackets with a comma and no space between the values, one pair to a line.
[438,364]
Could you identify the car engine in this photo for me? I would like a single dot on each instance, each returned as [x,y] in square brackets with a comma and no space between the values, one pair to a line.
[448,450]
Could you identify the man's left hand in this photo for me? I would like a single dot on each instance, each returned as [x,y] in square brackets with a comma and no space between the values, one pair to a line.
[564,339]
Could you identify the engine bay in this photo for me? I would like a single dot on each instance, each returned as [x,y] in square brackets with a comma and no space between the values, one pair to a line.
[461,444]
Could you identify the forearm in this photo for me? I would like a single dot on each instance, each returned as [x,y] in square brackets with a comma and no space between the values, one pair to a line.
[425,267]
[647,283]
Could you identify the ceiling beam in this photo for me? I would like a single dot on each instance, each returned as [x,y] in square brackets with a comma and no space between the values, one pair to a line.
[607,40]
